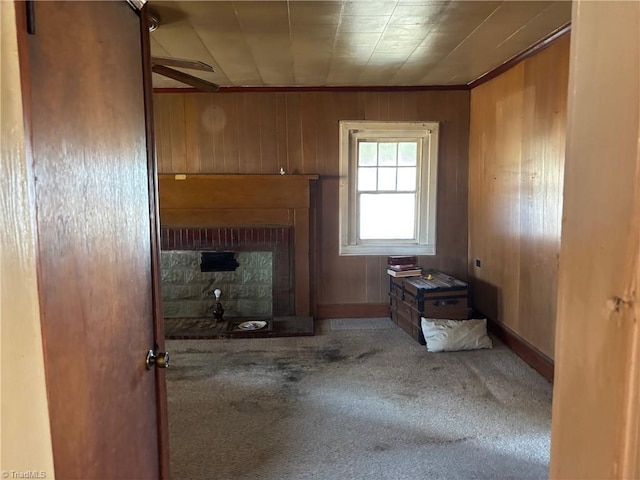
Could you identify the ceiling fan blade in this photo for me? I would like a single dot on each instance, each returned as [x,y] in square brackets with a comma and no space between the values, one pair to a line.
[178,62]
[195,82]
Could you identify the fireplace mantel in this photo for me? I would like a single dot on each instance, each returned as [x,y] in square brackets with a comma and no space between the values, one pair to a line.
[246,201]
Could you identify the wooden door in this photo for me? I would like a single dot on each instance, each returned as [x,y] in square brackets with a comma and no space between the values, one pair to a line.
[595,431]
[85,104]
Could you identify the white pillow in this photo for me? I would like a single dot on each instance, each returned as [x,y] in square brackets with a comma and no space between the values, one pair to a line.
[444,335]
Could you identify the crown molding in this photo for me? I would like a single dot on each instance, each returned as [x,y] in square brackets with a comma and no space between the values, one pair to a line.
[529,52]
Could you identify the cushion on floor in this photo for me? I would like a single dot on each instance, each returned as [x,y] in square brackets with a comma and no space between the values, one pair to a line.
[443,335]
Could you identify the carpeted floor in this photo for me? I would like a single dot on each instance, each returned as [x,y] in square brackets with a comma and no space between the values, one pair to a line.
[360,400]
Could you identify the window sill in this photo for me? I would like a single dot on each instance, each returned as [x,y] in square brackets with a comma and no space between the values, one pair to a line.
[386,250]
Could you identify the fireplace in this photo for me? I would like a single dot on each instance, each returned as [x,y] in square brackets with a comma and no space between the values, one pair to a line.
[242,213]
[256,248]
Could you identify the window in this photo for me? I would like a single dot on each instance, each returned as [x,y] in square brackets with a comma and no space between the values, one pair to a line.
[388,181]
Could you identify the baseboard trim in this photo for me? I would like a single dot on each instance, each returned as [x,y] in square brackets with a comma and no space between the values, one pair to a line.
[530,354]
[353,310]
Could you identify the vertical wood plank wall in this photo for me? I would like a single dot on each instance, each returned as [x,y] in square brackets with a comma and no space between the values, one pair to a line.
[259,133]
[516,162]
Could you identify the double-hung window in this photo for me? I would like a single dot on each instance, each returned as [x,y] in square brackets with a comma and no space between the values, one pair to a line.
[388,181]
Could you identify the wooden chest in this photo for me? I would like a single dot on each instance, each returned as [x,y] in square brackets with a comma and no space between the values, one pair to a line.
[432,295]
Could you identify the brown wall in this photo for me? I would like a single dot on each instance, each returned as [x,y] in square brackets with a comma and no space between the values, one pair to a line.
[516,162]
[260,132]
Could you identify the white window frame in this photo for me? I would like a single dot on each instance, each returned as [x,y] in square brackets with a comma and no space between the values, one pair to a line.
[427,183]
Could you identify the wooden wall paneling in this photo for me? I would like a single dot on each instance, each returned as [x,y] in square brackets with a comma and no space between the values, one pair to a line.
[426,106]
[177,133]
[320,123]
[369,102]
[249,134]
[294,133]
[508,172]
[349,105]
[516,155]
[541,200]
[268,134]
[480,184]
[303,127]
[313,246]
[330,281]
[383,106]
[344,279]
[301,260]
[218,124]
[458,148]
[204,123]
[160,118]
[231,134]
[281,131]
[324,125]
[334,113]
[529,207]
[479,115]
[376,280]
[309,126]
[396,105]
[451,170]
[410,107]
[163,128]
[194,140]
[532,279]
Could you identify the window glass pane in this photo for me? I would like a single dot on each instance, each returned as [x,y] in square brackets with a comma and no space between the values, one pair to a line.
[387,216]
[367,154]
[387,154]
[387,178]
[367,179]
[407,153]
[407,178]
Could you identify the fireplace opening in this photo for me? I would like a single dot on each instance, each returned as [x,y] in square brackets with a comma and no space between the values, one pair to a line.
[188,288]
[259,290]
[218,262]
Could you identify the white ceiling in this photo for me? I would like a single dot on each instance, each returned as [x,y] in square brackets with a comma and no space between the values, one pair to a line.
[350,43]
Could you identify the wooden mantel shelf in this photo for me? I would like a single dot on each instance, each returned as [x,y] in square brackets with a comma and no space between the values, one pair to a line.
[245,201]
[235,191]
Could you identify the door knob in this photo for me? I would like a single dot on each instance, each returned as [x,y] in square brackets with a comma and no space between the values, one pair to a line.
[160,359]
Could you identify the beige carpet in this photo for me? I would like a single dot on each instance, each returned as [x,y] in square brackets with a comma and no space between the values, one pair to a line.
[361,400]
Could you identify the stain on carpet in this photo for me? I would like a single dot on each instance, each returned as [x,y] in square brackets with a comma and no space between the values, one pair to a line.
[191,373]
[368,354]
[290,372]
[381,448]
[331,355]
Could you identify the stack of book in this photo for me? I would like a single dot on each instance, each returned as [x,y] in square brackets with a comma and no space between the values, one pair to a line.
[403,266]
